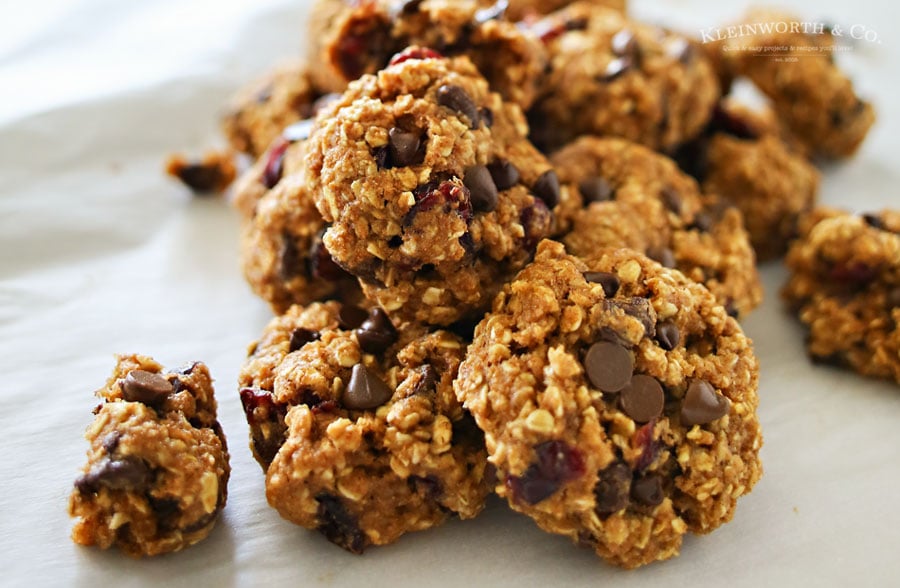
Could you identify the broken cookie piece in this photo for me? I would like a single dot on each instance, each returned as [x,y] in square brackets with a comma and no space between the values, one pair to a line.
[157,471]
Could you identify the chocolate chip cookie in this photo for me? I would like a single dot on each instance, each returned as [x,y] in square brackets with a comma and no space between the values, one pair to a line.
[621,194]
[618,402]
[354,38]
[844,286]
[259,112]
[742,156]
[356,424]
[281,254]
[612,76]
[797,70]
[157,470]
[432,192]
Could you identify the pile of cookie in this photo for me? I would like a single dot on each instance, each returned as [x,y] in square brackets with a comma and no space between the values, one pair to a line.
[508,246]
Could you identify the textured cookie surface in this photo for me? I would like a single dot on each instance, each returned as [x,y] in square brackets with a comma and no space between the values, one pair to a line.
[157,470]
[357,426]
[621,194]
[611,76]
[433,193]
[845,287]
[618,402]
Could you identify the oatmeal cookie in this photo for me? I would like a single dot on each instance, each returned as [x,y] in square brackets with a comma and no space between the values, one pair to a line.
[743,157]
[618,402]
[354,38]
[812,96]
[844,286]
[259,112]
[157,470]
[612,76]
[357,427]
[524,9]
[621,194]
[433,193]
[281,254]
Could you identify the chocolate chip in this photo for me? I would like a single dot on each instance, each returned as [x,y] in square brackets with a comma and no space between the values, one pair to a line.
[616,68]
[663,255]
[300,337]
[647,490]
[623,43]
[667,335]
[594,189]
[365,390]
[200,177]
[321,264]
[377,332]
[127,473]
[274,167]
[291,264]
[611,491]
[405,147]
[111,442]
[382,157]
[350,316]
[455,98]
[487,116]
[338,525]
[638,308]
[672,199]
[428,380]
[481,187]
[702,404]
[609,366]
[547,188]
[642,398]
[146,387]
[609,282]
[873,221]
[299,131]
[703,222]
[731,123]
[680,49]
[504,174]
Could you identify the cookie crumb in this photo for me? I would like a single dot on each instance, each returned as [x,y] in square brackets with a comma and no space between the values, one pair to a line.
[210,175]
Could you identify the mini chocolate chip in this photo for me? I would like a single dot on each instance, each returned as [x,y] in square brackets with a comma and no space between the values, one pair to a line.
[616,68]
[481,187]
[873,221]
[300,337]
[642,399]
[127,473]
[611,491]
[672,199]
[350,316]
[609,366]
[299,131]
[365,390]
[455,98]
[594,189]
[504,174]
[377,332]
[146,387]
[638,308]
[547,188]
[663,255]
[702,404]
[609,282]
[405,147]
[667,335]
[338,525]
[647,490]
[428,380]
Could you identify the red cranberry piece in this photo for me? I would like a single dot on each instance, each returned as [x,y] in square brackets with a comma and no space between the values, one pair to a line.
[730,123]
[275,163]
[643,440]
[855,273]
[414,53]
[435,194]
[321,265]
[260,408]
[557,463]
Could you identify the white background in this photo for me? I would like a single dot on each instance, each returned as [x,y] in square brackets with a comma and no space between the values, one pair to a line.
[100,253]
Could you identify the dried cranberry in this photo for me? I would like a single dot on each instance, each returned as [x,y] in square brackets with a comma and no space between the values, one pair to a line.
[441,193]
[557,463]
[260,408]
[853,273]
[643,440]
[321,265]
[732,124]
[414,53]
[275,163]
